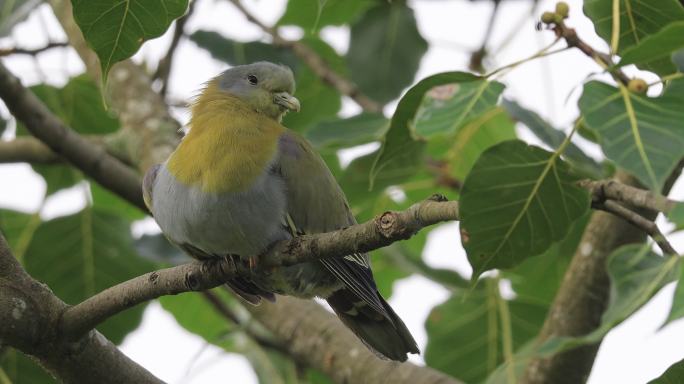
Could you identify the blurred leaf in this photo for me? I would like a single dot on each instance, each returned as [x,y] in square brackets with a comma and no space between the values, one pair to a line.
[85,253]
[474,138]
[116,30]
[464,333]
[401,154]
[345,133]
[515,203]
[447,108]
[553,138]
[386,272]
[385,50]
[18,228]
[13,12]
[641,134]
[106,201]
[676,215]
[673,375]
[238,53]
[678,60]
[58,176]
[636,274]
[537,279]
[20,369]
[638,20]
[157,249]
[655,50]
[312,15]
[677,310]
[197,315]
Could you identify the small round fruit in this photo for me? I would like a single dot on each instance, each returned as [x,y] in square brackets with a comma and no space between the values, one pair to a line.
[637,85]
[548,17]
[563,9]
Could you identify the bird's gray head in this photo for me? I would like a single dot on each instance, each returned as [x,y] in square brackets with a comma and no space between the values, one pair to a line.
[265,86]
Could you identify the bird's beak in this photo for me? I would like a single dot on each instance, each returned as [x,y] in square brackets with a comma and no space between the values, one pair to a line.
[286,101]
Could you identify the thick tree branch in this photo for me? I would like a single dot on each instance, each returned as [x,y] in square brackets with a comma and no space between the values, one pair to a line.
[29,317]
[199,276]
[92,160]
[27,150]
[316,63]
[603,190]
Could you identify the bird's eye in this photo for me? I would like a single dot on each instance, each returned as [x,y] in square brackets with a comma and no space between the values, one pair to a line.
[252,79]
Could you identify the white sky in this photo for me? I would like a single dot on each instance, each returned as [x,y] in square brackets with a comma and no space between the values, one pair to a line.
[634,352]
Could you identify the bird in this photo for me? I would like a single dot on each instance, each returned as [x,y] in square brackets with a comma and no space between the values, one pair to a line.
[239,181]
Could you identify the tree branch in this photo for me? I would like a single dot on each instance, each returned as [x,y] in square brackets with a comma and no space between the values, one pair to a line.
[27,150]
[33,51]
[316,63]
[602,190]
[29,318]
[164,66]
[199,276]
[640,222]
[92,160]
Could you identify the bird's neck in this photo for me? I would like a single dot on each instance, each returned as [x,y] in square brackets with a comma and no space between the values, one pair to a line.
[228,146]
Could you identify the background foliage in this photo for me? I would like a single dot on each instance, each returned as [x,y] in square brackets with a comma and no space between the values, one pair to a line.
[450,133]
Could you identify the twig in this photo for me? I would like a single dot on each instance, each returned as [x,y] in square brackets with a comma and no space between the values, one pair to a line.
[603,190]
[93,160]
[316,63]
[640,222]
[31,51]
[164,66]
[477,57]
[198,276]
[573,40]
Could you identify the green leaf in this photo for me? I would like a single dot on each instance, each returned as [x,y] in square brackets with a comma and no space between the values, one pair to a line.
[345,133]
[636,274]
[640,134]
[196,314]
[677,310]
[464,333]
[157,249]
[20,369]
[385,50]
[106,201]
[312,15]
[239,53]
[18,229]
[655,50]
[673,375]
[676,215]
[516,202]
[553,138]
[678,60]
[116,30]
[401,153]
[85,253]
[447,108]
[638,20]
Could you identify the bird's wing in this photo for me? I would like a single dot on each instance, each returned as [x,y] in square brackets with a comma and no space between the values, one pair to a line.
[317,204]
[148,184]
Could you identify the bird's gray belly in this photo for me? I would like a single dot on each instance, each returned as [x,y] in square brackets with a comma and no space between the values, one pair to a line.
[240,223]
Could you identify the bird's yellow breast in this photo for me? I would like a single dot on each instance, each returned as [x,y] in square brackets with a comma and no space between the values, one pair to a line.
[228,147]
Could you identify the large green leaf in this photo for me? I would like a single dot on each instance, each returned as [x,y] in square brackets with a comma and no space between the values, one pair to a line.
[312,15]
[640,134]
[655,50]
[678,60]
[18,229]
[465,333]
[401,153]
[638,20]
[515,203]
[19,369]
[115,30]
[447,108]
[636,274]
[345,133]
[673,375]
[85,253]
[385,50]
[677,310]
[553,138]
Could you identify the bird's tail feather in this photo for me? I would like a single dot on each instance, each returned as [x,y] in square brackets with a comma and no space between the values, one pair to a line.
[384,333]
